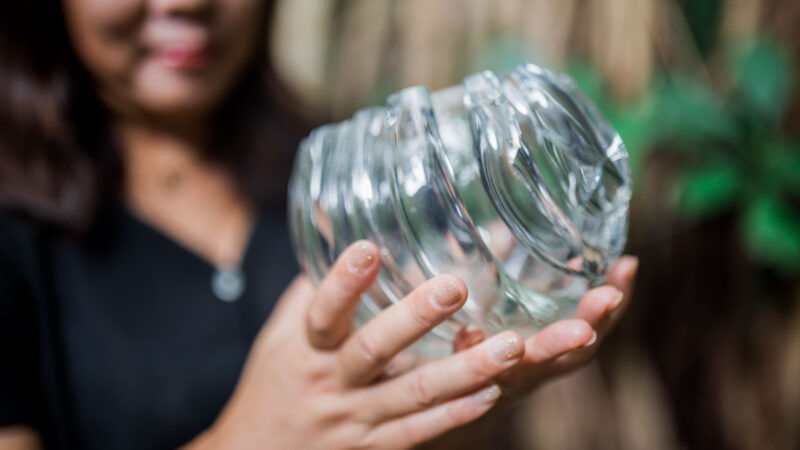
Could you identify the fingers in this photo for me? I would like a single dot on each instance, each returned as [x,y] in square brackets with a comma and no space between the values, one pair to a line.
[467,337]
[622,274]
[546,347]
[365,354]
[597,304]
[601,307]
[558,339]
[329,318]
[443,379]
[400,364]
[414,429]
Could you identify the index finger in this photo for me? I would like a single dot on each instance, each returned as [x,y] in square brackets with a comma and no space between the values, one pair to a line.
[330,317]
[365,354]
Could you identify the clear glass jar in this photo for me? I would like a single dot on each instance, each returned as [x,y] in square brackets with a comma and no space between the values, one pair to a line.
[515,184]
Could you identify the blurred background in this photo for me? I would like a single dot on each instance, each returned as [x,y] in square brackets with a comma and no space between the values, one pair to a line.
[706,99]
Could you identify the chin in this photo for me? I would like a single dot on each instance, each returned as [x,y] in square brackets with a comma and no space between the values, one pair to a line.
[179,103]
[180,96]
[174,105]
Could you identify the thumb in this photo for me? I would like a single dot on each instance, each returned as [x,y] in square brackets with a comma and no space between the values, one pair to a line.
[290,309]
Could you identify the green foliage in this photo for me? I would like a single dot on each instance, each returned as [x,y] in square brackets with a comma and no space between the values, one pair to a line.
[690,113]
[736,157]
[706,191]
[772,232]
[762,76]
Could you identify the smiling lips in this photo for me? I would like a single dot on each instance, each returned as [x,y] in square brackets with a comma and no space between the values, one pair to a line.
[184,57]
[178,43]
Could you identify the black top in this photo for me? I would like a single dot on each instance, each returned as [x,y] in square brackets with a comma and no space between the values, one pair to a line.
[117,341]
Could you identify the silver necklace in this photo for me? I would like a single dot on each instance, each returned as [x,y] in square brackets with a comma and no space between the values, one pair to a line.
[228,282]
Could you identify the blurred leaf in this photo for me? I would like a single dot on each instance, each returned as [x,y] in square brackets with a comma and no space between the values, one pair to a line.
[690,113]
[707,191]
[790,175]
[788,168]
[772,232]
[762,75]
[779,165]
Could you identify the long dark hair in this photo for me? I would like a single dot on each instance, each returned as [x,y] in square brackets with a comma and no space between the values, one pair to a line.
[58,161]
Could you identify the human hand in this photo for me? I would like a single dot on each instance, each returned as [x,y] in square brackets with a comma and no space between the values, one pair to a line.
[312,382]
[567,344]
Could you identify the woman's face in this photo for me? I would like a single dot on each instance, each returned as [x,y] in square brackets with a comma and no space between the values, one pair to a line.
[166,59]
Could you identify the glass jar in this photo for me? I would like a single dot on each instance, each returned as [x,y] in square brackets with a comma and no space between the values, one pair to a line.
[516,184]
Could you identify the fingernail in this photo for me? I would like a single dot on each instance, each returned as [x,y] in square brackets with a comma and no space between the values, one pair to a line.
[506,349]
[488,395]
[617,300]
[446,293]
[362,258]
[592,340]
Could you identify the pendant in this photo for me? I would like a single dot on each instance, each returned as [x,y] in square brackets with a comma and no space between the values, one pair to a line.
[228,283]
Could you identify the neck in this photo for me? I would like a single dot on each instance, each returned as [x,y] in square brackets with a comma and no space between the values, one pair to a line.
[170,184]
[154,154]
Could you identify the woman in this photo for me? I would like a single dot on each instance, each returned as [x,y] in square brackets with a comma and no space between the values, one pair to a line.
[144,145]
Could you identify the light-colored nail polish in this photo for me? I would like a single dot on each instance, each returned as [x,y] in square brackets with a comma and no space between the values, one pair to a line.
[488,395]
[592,340]
[506,349]
[361,259]
[446,293]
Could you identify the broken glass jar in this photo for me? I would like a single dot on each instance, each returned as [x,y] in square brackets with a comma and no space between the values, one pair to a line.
[515,183]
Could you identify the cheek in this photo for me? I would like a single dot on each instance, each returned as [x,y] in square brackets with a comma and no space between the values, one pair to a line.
[103,34]
[240,29]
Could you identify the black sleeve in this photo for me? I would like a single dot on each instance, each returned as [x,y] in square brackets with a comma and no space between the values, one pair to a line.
[20,397]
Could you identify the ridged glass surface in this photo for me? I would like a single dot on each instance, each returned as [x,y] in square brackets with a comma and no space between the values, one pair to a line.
[515,184]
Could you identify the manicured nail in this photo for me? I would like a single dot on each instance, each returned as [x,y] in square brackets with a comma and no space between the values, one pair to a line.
[362,258]
[446,293]
[506,348]
[484,396]
[592,340]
